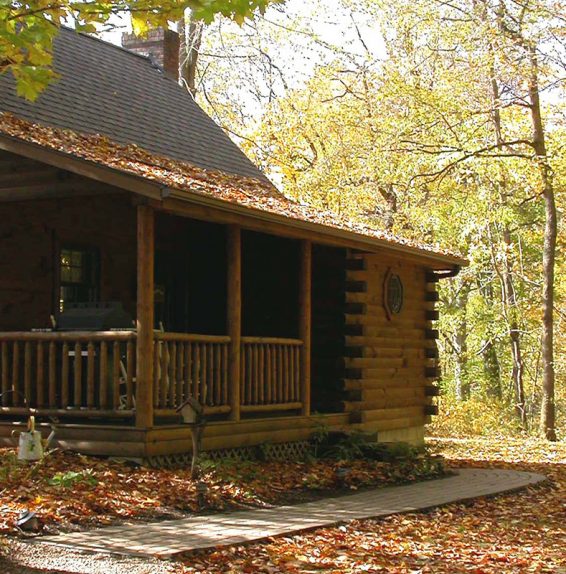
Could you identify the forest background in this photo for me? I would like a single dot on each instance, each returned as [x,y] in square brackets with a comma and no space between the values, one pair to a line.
[440,120]
[443,121]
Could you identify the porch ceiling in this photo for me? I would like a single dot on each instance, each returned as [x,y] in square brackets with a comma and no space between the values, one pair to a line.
[182,188]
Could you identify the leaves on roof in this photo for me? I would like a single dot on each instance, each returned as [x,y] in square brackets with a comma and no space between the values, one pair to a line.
[189,179]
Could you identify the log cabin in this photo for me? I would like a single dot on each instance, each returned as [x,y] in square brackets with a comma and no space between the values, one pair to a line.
[145,260]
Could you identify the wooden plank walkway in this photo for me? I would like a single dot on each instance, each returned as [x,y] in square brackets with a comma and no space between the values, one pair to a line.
[168,538]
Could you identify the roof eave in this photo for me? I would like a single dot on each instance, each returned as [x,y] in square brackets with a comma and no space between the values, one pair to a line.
[155,190]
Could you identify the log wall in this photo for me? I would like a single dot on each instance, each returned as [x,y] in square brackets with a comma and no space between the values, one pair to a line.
[391,362]
[31,233]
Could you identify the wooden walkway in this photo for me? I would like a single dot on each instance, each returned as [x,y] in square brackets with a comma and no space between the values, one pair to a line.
[171,537]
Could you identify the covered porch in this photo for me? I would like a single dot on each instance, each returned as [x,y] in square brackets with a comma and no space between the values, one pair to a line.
[221,313]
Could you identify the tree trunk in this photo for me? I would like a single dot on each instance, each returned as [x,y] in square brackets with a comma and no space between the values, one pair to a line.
[491,369]
[510,303]
[191,38]
[548,410]
[460,347]
[509,295]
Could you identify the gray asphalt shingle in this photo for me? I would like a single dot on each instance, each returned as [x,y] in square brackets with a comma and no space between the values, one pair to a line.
[107,90]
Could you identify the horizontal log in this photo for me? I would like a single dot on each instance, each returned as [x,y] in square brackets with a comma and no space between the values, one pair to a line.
[80,412]
[385,425]
[74,336]
[190,337]
[368,352]
[384,342]
[431,334]
[431,277]
[393,331]
[416,322]
[272,341]
[269,408]
[387,414]
[207,410]
[383,362]
[385,403]
[432,391]
[369,384]
[432,315]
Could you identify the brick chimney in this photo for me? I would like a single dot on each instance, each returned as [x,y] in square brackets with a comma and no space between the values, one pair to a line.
[162,46]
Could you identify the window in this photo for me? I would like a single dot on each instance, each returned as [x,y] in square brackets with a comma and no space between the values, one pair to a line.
[393,293]
[79,275]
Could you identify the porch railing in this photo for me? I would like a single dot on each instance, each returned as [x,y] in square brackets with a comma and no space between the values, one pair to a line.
[94,373]
[70,373]
[190,365]
[270,374]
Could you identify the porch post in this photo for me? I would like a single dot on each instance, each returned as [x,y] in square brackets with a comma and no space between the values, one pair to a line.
[305,324]
[234,318]
[144,321]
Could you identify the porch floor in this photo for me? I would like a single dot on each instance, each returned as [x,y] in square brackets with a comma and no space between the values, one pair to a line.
[172,537]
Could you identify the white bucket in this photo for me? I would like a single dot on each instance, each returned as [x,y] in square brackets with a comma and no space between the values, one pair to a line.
[29,446]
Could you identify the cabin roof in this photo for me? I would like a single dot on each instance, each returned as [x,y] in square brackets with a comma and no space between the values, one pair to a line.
[106,89]
[114,108]
[185,181]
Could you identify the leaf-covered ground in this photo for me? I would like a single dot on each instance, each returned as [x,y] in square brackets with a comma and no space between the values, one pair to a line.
[518,532]
[68,491]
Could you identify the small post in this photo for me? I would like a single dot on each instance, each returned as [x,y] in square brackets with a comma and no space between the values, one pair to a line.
[145,319]
[234,318]
[305,324]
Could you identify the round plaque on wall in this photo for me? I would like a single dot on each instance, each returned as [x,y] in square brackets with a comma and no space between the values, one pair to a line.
[392,294]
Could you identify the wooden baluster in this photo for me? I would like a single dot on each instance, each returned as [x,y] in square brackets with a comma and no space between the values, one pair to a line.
[156,372]
[27,373]
[196,373]
[5,374]
[287,374]
[116,375]
[204,382]
[65,375]
[130,367]
[250,373]
[210,374]
[17,400]
[243,366]
[280,385]
[40,375]
[78,375]
[180,373]
[218,374]
[224,348]
[90,375]
[164,368]
[103,376]
[298,373]
[254,374]
[52,375]
[172,373]
[261,368]
[188,370]
[268,377]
